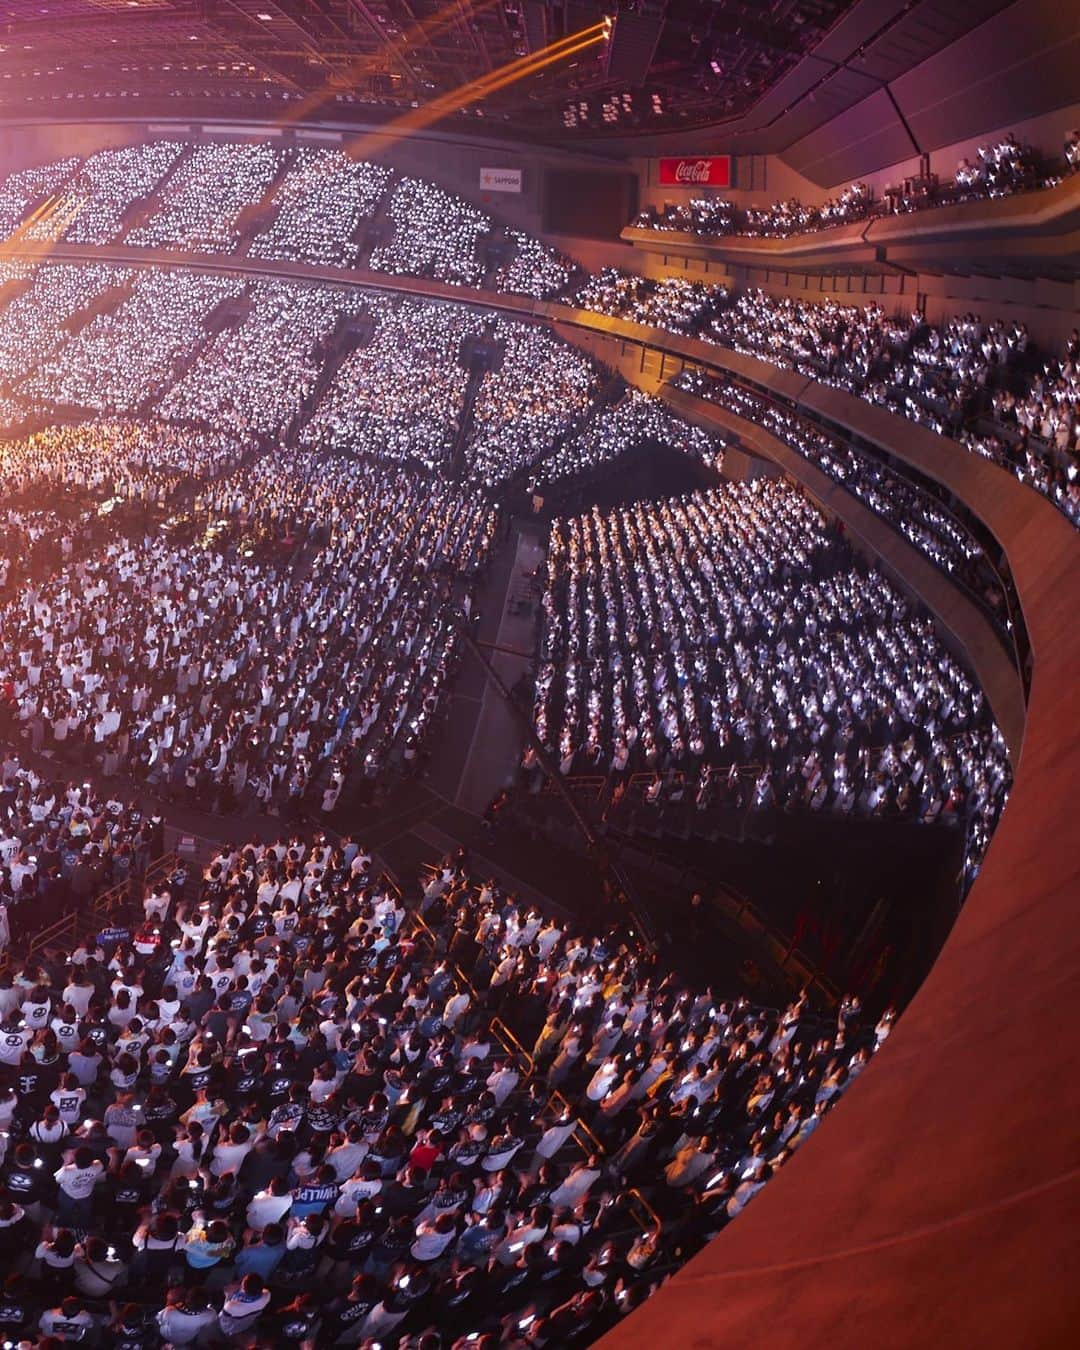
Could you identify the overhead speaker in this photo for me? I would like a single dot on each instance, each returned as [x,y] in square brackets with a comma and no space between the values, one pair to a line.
[632,45]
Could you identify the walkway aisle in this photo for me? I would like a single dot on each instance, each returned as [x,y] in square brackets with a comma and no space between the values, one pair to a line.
[495,750]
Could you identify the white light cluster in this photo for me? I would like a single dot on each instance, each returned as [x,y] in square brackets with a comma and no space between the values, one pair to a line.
[122,359]
[254,378]
[400,397]
[320,204]
[436,235]
[204,196]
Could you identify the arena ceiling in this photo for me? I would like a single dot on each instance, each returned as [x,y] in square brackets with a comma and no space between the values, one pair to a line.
[666,64]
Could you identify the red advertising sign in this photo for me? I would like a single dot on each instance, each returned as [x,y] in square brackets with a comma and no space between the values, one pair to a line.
[699,171]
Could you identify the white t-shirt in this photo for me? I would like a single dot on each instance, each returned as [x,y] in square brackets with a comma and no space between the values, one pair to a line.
[430,1245]
[78,1182]
[36,1015]
[68,1102]
[265,1209]
[228,1157]
[13,1044]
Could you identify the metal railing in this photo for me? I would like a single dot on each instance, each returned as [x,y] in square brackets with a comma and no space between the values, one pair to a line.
[77,922]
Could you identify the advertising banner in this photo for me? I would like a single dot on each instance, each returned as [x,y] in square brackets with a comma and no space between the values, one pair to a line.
[500,180]
[699,171]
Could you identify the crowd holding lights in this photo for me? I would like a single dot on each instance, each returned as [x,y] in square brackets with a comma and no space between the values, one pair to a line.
[147,459]
[954,364]
[110,183]
[940,375]
[317,211]
[937,374]
[848,345]
[612,433]
[931,373]
[199,204]
[130,355]
[220,1100]
[535,269]
[255,378]
[321,203]
[435,235]
[369,635]
[912,510]
[12,414]
[223,1099]
[400,396]
[1000,169]
[274,673]
[716,216]
[677,303]
[36,540]
[34,323]
[23,191]
[541,389]
[731,627]
[1050,408]
[1037,433]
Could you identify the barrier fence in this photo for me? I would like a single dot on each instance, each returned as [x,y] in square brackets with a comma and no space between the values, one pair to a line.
[79,922]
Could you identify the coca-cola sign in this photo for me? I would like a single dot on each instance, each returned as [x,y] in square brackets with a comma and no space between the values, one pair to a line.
[700,171]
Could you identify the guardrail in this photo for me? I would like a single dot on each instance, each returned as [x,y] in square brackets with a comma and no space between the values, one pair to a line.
[78,922]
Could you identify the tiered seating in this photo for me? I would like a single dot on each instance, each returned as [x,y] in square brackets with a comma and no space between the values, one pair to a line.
[204,196]
[677,303]
[320,204]
[33,324]
[636,420]
[435,234]
[109,183]
[400,397]
[540,390]
[731,627]
[124,358]
[20,191]
[535,269]
[256,377]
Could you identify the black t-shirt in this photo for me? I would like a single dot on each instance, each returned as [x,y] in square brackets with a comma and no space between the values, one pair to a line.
[391,1245]
[342,1314]
[131,1194]
[156,1112]
[240,1001]
[293,1327]
[29,1081]
[132,1338]
[322,1118]
[351,1243]
[199,1076]
[97,1033]
[244,1075]
[277,1082]
[13,1311]
[27,1185]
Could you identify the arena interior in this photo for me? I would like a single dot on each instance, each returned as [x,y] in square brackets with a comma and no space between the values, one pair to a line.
[539,636]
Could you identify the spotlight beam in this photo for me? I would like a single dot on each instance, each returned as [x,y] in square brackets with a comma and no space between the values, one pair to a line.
[416,119]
